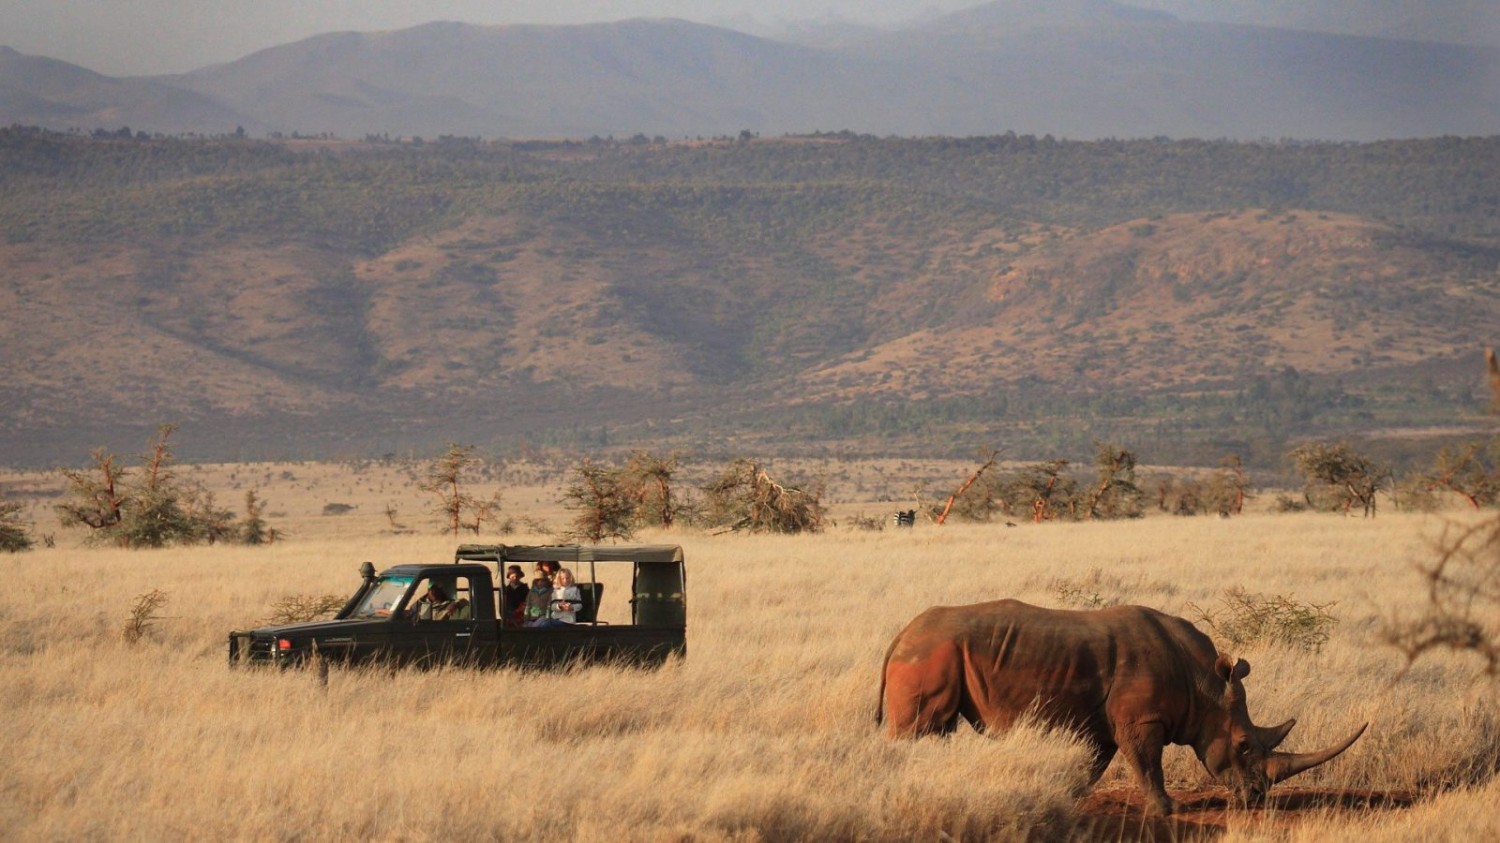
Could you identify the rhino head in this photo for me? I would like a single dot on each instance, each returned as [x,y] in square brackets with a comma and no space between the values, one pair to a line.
[1241,755]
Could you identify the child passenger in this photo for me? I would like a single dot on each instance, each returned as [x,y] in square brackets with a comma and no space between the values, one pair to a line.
[513,596]
[538,597]
[563,602]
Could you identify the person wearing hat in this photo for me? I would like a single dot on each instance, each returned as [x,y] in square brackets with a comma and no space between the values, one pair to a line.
[437,604]
[539,597]
[563,602]
[513,596]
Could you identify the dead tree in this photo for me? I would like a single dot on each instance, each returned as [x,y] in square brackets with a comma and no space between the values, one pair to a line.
[964,487]
[1463,595]
[745,497]
[1463,588]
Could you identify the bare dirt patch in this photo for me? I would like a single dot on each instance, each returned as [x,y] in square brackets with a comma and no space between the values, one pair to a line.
[1118,814]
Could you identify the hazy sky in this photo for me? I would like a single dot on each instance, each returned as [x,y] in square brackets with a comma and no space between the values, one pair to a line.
[125,37]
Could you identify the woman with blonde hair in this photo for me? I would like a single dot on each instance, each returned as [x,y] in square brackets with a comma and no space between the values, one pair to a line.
[564,602]
[567,599]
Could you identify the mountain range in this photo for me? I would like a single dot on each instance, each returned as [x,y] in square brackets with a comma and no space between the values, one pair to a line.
[316,298]
[1071,68]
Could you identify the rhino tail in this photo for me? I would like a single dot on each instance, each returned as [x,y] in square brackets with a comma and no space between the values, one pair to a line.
[884,663]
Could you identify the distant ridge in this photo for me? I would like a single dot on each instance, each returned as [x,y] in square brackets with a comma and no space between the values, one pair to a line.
[35,90]
[1075,68]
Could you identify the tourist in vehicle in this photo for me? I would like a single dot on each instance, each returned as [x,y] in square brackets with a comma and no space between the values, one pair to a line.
[437,604]
[566,597]
[513,596]
[563,603]
[538,597]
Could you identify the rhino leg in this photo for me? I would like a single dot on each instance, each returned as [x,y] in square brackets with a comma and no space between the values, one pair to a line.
[1142,745]
[1103,754]
[922,696]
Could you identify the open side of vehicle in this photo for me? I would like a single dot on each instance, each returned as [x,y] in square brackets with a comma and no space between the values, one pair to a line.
[451,613]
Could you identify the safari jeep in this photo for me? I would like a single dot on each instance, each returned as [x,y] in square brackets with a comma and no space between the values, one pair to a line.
[633,610]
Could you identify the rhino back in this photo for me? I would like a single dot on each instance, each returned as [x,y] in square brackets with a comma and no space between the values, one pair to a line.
[1081,666]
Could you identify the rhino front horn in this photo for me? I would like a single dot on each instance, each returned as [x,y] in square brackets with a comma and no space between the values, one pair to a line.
[1283,765]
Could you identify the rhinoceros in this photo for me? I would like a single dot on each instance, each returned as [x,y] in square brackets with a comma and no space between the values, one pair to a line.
[1127,678]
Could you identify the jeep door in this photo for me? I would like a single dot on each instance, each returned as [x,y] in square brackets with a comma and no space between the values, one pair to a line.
[436,623]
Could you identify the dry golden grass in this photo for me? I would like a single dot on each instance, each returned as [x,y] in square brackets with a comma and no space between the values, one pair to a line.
[765,731]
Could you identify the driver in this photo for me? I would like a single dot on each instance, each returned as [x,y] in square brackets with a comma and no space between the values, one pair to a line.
[437,604]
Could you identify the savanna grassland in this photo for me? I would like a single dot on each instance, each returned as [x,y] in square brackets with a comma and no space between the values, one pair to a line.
[764,732]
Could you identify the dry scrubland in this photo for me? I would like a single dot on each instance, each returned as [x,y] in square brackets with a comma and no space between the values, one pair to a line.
[764,732]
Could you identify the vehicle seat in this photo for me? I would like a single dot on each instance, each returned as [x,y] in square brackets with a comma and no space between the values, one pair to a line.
[588,610]
[659,609]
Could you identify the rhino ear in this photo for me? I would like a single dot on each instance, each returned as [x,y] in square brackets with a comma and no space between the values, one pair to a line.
[1229,672]
[1240,670]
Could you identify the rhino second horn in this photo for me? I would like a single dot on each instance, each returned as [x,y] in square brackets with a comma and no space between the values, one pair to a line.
[1271,737]
[1283,765]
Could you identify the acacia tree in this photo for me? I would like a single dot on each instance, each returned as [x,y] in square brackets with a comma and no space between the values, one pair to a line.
[98,495]
[253,528]
[145,508]
[647,479]
[212,523]
[1471,471]
[13,536]
[1044,489]
[1114,493]
[160,511]
[1223,493]
[603,505]
[1229,487]
[445,478]
[1177,495]
[1337,478]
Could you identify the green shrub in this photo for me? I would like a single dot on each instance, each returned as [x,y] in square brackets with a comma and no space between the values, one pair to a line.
[13,536]
[1246,619]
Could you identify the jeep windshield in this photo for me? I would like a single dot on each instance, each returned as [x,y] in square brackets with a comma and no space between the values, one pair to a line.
[382,598]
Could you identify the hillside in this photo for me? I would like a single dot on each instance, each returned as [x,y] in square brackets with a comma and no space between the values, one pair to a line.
[1082,69]
[1453,21]
[823,292]
[1188,299]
